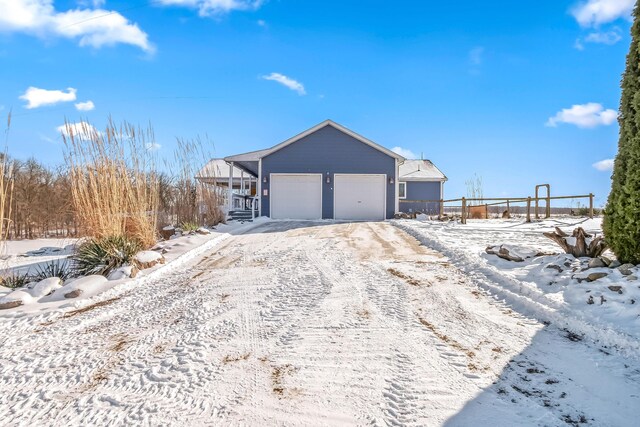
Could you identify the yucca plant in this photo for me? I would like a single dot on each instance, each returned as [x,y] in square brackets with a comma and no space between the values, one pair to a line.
[15,280]
[55,268]
[105,254]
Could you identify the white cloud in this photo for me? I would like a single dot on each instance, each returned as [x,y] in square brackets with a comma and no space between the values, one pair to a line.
[475,55]
[604,37]
[601,37]
[37,97]
[91,27]
[262,23]
[82,129]
[85,106]
[604,165]
[407,154]
[592,13]
[215,7]
[153,146]
[286,81]
[587,115]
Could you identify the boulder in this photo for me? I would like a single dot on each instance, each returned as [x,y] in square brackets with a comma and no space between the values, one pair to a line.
[16,298]
[75,293]
[625,269]
[203,231]
[606,260]
[148,259]
[4,305]
[128,271]
[615,264]
[596,263]
[167,232]
[46,287]
[632,277]
[615,288]
[592,277]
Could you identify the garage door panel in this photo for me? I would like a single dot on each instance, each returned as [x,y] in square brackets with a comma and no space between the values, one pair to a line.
[360,197]
[296,196]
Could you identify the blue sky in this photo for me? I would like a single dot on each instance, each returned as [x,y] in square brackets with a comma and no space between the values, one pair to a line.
[517,93]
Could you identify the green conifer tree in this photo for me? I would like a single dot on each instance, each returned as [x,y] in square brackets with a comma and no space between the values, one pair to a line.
[622,214]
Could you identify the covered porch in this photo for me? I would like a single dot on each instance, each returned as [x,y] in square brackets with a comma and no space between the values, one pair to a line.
[236,184]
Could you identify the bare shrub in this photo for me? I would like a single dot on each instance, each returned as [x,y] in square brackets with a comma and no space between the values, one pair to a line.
[114,182]
[184,199]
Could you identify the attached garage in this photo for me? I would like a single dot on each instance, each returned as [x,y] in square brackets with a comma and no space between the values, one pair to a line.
[360,197]
[296,196]
[325,172]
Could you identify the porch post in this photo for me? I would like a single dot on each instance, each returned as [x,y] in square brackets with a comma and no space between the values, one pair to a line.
[230,186]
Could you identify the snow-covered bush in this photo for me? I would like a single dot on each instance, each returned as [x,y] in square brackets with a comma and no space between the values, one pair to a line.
[103,255]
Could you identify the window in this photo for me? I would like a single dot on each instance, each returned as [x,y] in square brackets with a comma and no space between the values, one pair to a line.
[402,190]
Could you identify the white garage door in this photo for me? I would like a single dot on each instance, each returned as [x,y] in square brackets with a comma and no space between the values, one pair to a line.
[296,196]
[360,197]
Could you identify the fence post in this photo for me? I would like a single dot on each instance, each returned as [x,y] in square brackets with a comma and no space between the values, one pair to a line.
[441,208]
[591,205]
[464,211]
[508,209]
[529,209]
[548,213]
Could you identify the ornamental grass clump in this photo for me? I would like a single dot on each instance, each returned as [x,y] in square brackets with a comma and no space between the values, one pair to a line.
[105,254]
[114,180]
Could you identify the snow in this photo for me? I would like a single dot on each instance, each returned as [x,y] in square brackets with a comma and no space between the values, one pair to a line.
[550,288]
[309,323]
[45,287]
[146,257]
[20,256]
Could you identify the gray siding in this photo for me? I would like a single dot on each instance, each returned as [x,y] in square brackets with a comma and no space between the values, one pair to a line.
[420,190]
[329,150]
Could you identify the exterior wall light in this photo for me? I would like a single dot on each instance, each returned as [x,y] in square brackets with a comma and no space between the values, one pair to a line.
[391,180]
[328,180]
[264,179]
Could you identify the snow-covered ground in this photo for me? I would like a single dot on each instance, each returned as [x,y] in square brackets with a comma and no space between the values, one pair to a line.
[303,323]
[552,288]
[27,256]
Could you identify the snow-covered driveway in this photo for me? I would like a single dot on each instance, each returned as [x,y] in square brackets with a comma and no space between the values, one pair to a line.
[299,323]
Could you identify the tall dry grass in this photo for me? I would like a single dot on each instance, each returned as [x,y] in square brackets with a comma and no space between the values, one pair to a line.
[114,180]
[6,188]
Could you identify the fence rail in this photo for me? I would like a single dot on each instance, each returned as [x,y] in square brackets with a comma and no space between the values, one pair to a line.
[500,201]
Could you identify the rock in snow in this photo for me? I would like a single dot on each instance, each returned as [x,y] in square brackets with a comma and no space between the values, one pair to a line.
[16,298]
[45,287]
[596,263]
[595,276]
[148,259]
[76,287]
[625,269]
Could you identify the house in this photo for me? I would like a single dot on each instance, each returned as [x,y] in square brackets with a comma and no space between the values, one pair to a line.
[420,180]
[243,185]
[331,172]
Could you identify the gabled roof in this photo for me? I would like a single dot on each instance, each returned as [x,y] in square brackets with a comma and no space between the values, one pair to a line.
[420,170]
[257,155]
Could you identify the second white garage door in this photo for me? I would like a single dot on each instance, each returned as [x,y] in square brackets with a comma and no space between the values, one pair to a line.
[296,196]
[360,197]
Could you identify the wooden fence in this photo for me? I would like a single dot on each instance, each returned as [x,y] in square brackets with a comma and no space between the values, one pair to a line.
[501,201]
